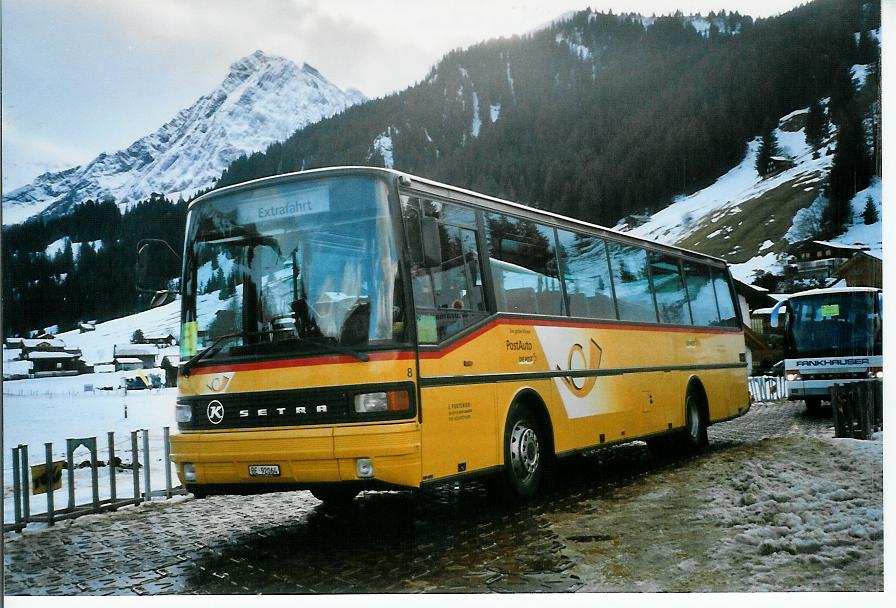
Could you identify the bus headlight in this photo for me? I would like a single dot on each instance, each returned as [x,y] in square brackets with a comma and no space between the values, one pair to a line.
[189,471]
[387,401]
[183,412]
[876,372]
[792,375]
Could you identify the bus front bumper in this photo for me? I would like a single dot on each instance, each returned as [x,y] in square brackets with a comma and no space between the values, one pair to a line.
[800,389]
[301,457]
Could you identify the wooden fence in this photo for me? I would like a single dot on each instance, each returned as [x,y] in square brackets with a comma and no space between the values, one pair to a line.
[858,408]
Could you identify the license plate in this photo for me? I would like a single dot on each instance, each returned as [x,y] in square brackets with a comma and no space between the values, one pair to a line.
[264,470]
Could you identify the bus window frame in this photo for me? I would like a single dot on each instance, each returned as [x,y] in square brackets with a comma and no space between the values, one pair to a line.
[482,205]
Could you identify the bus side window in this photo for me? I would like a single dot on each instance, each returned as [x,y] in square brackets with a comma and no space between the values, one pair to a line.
[632,283]
[524,266]
[668,286]
[701,294]
[727,313]
[586,272]
[448,297]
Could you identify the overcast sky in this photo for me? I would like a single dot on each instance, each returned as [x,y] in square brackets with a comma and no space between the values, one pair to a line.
[82,77]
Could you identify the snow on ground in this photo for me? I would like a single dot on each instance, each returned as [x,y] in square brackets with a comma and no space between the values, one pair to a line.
[383,145]
[783,514]
[97,346]
[802,516]
[37,411]
[58,246]
[745,272]
[859,74]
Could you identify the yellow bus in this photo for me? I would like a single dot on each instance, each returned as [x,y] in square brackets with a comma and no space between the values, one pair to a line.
[357,328]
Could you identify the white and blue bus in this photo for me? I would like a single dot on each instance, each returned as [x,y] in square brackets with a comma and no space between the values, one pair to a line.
[831,336]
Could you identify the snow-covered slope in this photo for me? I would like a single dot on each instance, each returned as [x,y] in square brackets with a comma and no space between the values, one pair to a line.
[263,99]
[750,220]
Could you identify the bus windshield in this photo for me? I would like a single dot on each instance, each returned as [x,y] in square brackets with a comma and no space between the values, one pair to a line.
[293,268]
[833,324]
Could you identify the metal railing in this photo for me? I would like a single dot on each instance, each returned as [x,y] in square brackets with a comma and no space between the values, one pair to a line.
[767,388]
[46,478]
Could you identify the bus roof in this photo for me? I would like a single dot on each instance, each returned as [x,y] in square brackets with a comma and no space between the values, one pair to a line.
[407,179]
[830,290]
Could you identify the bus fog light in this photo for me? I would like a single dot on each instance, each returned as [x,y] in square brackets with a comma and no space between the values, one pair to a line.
[189,471]
[183,412]
[364,468]
[792,375]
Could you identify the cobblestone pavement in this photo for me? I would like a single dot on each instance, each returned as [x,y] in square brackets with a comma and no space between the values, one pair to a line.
[450,539]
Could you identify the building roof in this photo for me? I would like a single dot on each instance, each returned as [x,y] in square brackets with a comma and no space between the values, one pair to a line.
[37,342]
[38,354]
[127,360]
[840,245]
[136,350]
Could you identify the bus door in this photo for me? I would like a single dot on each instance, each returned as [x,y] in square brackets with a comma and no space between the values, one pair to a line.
[457,406]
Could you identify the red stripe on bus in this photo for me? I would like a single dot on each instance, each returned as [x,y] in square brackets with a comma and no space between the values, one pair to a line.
[304,362]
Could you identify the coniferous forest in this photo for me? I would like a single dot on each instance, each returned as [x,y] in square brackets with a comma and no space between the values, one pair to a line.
[596,117]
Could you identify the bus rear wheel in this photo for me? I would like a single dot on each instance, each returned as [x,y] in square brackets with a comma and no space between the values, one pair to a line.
[695,437]
[524,453]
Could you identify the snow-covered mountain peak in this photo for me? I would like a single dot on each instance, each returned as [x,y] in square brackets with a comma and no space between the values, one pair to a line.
[263,99]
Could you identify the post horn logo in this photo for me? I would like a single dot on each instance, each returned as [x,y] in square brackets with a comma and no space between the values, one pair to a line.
[219,382]
[579,360]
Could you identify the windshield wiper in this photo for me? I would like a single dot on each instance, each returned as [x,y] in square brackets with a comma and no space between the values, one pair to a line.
[338,349]
[215,347]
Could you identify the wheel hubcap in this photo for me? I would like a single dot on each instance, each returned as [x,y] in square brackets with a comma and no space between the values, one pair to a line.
[693,420]
[524,452]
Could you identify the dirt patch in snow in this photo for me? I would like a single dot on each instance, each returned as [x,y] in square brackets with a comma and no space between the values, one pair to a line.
[782,514]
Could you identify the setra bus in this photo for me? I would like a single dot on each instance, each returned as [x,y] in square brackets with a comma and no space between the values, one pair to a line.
[359,328]
[832,335]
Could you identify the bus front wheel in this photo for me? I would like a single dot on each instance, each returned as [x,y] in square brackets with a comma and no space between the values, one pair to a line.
[524,453]
[813,405]
[335,496]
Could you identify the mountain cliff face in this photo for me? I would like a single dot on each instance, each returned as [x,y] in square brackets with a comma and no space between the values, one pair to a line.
[263,99]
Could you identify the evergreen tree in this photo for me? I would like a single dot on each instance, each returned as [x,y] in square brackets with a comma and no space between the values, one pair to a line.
[816,125]
[768,148]
[851,170]
[137,337]
[869,215]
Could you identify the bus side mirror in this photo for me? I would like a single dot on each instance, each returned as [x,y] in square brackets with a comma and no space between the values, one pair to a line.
[780,307]
[432,244]
[156,263]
